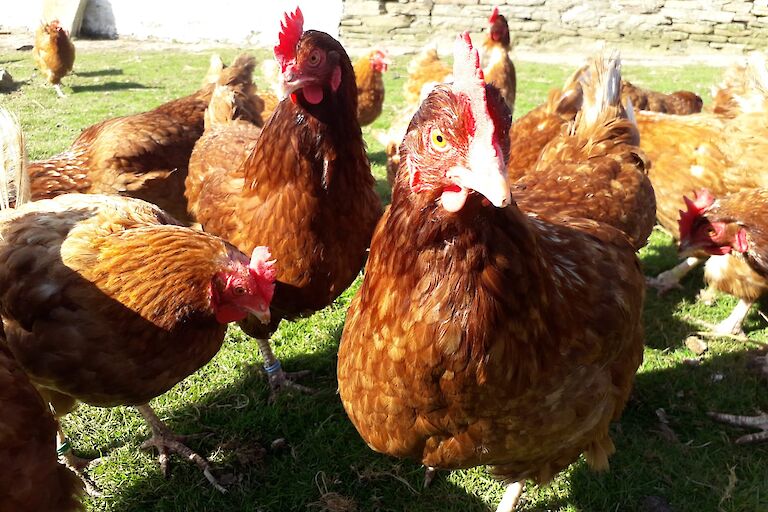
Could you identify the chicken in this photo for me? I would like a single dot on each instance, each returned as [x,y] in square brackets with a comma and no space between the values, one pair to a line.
[680,102]
[595,169]
[306,189]
[424,71]
[734,231]
[143,155]
[370,86]
[54,53]
[699,151]
[731,231]
[483,334]
[31,479]
[497,66]
[107,300]
[532,132]
[744,88]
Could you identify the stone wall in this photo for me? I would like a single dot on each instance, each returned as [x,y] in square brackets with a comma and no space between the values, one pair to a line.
[685,25]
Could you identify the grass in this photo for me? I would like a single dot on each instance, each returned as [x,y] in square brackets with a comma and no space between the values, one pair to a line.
[322,464]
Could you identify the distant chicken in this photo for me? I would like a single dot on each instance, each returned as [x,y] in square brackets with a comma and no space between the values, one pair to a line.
[142,155]
[424,71]
[680,102]
[533,131]
[744,88]
[54,53]
[107,300]
[370,86]
[305,190]
[497,66]
[484,334]
[733,230]
[594,169]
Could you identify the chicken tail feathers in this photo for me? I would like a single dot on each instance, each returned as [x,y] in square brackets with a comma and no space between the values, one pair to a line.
[14,182]
[602,87]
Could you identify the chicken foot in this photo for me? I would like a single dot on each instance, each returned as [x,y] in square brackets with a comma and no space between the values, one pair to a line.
[76,464]
[59,92]
[279,380]
[511,497]
[167,442]
[760,422]
[731,326]
[429,476]
[670,279]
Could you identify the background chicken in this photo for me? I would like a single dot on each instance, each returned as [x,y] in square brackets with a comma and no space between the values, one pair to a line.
[680,102]
[734,231]
[107,300]
[533,131]
[450,353]
[744,88]
[370,85]
[595,169]
[497,65]
[143,155]
[306,189]
[54,53]
[424,71]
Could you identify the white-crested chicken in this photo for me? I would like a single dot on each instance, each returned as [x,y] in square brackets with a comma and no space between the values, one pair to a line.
[479,335]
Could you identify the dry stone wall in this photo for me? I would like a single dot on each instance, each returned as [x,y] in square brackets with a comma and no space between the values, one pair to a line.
[704,25]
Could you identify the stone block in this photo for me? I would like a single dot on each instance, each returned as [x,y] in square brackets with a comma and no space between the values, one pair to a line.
[525,26]
[558,29]
[412,8]
[693,28]
[675,35]
[738,7]
[732,29]
[363,8]
[457,2]
[708,38]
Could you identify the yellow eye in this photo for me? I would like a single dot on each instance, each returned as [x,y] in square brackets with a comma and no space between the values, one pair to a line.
[439,142]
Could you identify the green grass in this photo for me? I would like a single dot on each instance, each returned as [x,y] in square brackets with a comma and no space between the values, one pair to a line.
[323,464]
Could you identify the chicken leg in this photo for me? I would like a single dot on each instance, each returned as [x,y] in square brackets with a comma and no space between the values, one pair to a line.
[76,464]
[760,422]
[279,380]
[167,442]
[511,497]
[670,279]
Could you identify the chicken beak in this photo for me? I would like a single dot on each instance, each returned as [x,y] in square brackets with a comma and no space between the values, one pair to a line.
[486,176]
[263,316]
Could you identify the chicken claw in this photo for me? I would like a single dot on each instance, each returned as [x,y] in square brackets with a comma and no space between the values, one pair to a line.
[429,476]
[76,464]
[511,497]
[670,279]
[279,380]
[167,442]
[760,422]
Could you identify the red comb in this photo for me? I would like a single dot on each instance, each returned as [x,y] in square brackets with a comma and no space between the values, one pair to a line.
[703,199]
[494,15]
[291,29]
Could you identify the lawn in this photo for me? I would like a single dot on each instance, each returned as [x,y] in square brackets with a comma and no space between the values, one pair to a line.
[318,462]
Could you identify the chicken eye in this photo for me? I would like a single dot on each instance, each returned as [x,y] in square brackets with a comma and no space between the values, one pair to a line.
[711,232]
[439,142]
[239,290]
[315,58]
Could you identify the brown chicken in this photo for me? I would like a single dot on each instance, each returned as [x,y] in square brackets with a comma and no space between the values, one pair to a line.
[370,86]
[306,189]
[497,66]
[54,53]
[734,231]
[699,151]
[424,71]
[31,478]
[595,169]
[680,102]
[107,300]
[532,132]
[143,155]
[480,335]
[744,88]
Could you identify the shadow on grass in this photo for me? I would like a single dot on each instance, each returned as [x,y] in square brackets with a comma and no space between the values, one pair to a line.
[322,465]
[108,86]
[100,72]
[688,462]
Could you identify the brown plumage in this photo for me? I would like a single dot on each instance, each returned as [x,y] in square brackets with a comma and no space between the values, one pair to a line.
[54,53]
[31,478]
[306,188]
[497,66]
[680,102]
[594,169]
[743,90]
[479,336]
[530,133]
[142,155]
[370,86]
[425,69]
